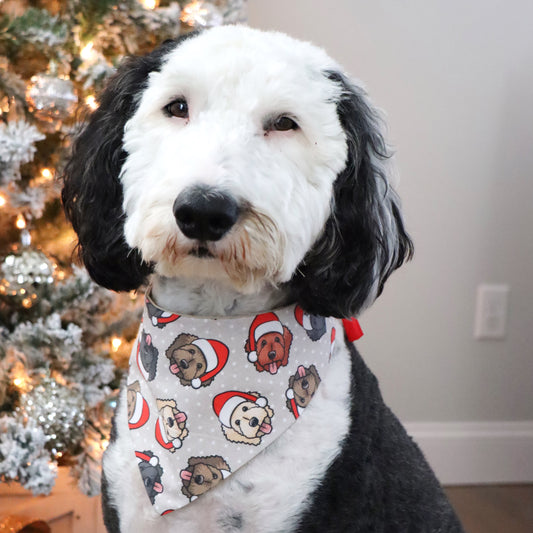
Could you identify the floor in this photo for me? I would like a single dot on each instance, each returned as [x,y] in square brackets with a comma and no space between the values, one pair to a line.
[494,508]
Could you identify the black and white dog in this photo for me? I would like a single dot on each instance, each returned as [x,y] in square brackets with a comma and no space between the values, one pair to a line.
[242,171]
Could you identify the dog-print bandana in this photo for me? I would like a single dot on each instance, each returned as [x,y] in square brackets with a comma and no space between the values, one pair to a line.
[206,395]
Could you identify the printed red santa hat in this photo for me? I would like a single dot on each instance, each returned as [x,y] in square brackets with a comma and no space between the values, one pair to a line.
[141,413]
[225,403]
[161,437]
[143,456]
[303,318]
[216,356]
[262,324]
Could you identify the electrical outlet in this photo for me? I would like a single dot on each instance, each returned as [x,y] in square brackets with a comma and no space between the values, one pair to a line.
[491,311]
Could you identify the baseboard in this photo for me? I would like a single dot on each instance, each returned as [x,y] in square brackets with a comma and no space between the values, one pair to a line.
[464,453]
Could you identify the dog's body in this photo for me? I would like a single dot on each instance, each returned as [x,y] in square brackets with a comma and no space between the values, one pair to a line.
[243,171]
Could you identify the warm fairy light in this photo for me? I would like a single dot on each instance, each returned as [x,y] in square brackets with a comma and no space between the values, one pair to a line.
[88,53]
[149,4]
[3,200]
[27,303]
[60,274]
[20,222]
[91,102]
[46,173]
[18,382]
[115,343]
[193,12]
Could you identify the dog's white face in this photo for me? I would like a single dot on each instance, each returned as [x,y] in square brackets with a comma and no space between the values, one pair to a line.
[245,114]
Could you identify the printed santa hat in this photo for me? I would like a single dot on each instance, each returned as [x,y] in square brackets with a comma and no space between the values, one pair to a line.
[144,456]
[158,317]
[161,437]
[304,319]
[225,403]
[216,356]
[141,413]
[262,324]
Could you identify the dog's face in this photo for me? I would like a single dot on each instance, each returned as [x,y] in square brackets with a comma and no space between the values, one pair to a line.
[251,421]
[250,129]
[242,156]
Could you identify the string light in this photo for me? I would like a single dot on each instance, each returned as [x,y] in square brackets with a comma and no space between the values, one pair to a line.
[21,221]
[88,53]
[193,12]
[149,4]
[3,200]
[115,343]
[46,173]
[91,102]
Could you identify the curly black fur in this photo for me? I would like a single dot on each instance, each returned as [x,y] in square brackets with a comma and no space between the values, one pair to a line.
[350,262]
[380,482]
[92,193]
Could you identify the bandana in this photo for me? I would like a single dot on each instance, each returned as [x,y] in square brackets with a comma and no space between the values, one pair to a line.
[206,395]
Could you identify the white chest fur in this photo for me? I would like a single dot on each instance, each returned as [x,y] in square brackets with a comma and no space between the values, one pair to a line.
[266,495]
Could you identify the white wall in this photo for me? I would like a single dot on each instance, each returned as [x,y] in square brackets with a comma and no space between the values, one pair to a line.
[456,81]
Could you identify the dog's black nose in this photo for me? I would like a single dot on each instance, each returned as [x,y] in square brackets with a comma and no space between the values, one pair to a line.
[184,364]
[204,213]
[199,479]
[272,355]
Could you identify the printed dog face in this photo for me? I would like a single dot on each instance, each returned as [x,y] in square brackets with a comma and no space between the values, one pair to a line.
[131,397]
[304,384]
[187,361]
[173,422]
[250,422]
[202,474]
[273,351]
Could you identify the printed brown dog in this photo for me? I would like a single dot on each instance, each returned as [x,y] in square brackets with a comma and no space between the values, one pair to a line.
[304,384]
[202,474]
[187,362]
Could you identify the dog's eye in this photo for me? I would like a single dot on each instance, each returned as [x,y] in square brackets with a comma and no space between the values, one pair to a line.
[263,343]
[244,409]
[177,108]
[198,365]
[281,123]
[277,339]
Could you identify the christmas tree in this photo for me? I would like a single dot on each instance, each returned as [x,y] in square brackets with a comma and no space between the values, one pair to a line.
[64,342]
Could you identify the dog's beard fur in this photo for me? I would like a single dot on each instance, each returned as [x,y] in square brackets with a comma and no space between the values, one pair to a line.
[252,253]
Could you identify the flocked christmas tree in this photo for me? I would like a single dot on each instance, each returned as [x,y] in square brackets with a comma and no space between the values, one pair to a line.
[64,342]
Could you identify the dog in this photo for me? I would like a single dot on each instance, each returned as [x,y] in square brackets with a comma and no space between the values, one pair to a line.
[239,171]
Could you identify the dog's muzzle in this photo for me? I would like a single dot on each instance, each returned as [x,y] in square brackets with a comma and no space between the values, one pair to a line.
[204,213]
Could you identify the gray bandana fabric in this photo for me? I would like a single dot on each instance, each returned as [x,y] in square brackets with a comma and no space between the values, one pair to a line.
[206,395]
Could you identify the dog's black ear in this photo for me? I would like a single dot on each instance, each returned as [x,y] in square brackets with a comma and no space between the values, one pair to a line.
[92,194]
[364,239]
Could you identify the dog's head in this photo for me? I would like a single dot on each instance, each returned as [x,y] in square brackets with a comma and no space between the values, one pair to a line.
[273,350]
[243,156]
